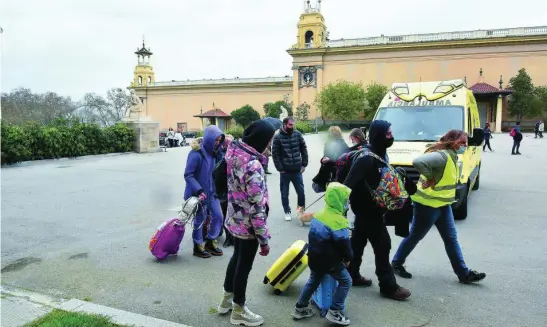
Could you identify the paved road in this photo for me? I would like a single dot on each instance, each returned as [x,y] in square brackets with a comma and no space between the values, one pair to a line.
[80,228]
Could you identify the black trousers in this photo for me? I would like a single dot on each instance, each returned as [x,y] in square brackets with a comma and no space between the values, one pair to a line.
[171,143]
[239,267]
[372,229]
[486,144]
[516,146]
[224,207]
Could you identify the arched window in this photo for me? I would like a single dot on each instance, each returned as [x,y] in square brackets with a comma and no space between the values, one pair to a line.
[149,79]
[308,37]
[139,80]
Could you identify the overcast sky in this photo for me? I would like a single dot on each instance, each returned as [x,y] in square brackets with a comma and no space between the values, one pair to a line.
[78,46]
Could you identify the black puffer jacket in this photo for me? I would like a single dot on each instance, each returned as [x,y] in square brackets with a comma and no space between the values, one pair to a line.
[289,151]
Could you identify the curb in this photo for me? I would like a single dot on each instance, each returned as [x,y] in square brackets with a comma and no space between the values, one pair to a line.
[75,305]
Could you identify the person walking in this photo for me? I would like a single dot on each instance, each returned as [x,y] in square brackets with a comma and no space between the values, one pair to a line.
[290,156]
[536,129]
[433,205]
[248,206]
[369,217]
[221,185]
[487,137]
[358,139]
[329,252]
[517,138]
[541,128]
[198,175]
[333,149]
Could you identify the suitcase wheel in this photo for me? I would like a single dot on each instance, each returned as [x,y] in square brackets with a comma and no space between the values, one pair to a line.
[277,292]
[266,280]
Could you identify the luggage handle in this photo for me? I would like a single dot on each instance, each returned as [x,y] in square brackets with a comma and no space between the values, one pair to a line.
[298,264]
[289,267]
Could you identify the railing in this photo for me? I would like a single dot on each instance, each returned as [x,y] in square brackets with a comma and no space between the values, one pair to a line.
[226,81]
[418,38]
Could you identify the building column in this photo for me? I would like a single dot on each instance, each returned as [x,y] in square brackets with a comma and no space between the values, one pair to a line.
[295,88]
[499,110]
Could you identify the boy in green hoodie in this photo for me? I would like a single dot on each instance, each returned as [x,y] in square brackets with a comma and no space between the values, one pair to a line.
[329,253]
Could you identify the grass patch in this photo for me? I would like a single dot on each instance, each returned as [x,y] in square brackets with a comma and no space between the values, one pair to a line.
[88,299]
[59,318]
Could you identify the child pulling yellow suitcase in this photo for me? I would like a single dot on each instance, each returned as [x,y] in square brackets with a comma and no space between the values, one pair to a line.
[288,267]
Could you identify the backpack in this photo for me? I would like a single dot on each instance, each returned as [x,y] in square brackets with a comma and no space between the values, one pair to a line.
[513,132]
[220,178]
[390,193]
[343,164]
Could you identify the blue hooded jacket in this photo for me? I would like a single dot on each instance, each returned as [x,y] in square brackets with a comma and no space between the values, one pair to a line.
[201,164]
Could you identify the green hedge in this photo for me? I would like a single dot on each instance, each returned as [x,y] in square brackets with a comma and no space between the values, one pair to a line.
[62,139]
[236,132]
[303,127]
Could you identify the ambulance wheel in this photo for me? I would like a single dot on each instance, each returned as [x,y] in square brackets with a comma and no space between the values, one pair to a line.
[460,213]
[266,280]
[277,292]
[477,181]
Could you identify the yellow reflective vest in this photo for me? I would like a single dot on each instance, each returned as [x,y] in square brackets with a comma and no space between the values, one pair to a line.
[444,192]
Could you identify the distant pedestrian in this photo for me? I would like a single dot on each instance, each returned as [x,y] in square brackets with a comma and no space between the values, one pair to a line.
[487,137]
[517,138]
[290,156]
[540,129]
[536,130]
[171,137]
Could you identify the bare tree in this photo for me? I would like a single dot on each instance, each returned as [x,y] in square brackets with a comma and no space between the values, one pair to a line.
[106,111]
[22,105]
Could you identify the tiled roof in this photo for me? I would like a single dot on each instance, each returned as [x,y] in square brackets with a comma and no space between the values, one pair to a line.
[213,113]
[484,88]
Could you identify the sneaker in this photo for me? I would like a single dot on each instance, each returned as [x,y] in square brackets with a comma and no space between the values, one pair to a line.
[244,316]
[199,251]
[361,281]
[401,271]
[288,216]
[338,317]
[212,247]
[302,313]
[400,294]
[225,305]
[473,277]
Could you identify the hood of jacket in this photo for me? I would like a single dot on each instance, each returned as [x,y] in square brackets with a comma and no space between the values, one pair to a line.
[336,201]
[377,136]
[258,135]
[196,143]
[210,134]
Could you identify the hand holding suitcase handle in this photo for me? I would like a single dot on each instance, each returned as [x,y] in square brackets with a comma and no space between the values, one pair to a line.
[264,250]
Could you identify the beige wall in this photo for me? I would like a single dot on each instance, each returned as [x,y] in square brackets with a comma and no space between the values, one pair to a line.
[172,106]
[439,64]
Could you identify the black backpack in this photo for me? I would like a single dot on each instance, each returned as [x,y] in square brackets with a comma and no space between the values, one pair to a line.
[344,162]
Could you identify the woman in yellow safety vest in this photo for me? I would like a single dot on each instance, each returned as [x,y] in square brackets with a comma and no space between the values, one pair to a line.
[432,205]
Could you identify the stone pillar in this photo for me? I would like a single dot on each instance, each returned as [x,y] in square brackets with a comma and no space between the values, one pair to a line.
[146,134]
[499,110]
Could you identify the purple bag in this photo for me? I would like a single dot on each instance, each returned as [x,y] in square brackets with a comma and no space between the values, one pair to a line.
[166,240]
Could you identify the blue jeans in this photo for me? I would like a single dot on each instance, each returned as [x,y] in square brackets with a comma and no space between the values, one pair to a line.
[424,218]
[214,226]
[298,182]
[339,298]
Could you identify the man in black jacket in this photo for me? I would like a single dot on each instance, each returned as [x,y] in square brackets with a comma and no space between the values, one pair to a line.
[369,217]
[290,157]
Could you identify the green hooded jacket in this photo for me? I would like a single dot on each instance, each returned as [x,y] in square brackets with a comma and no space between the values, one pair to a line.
[336,201]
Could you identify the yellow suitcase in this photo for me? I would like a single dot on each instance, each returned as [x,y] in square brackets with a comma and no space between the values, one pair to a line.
[288,267]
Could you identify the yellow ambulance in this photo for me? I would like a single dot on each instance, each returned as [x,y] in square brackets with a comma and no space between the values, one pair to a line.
[420,114]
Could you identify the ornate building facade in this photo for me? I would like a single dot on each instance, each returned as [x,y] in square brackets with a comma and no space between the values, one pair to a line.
[483,58]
